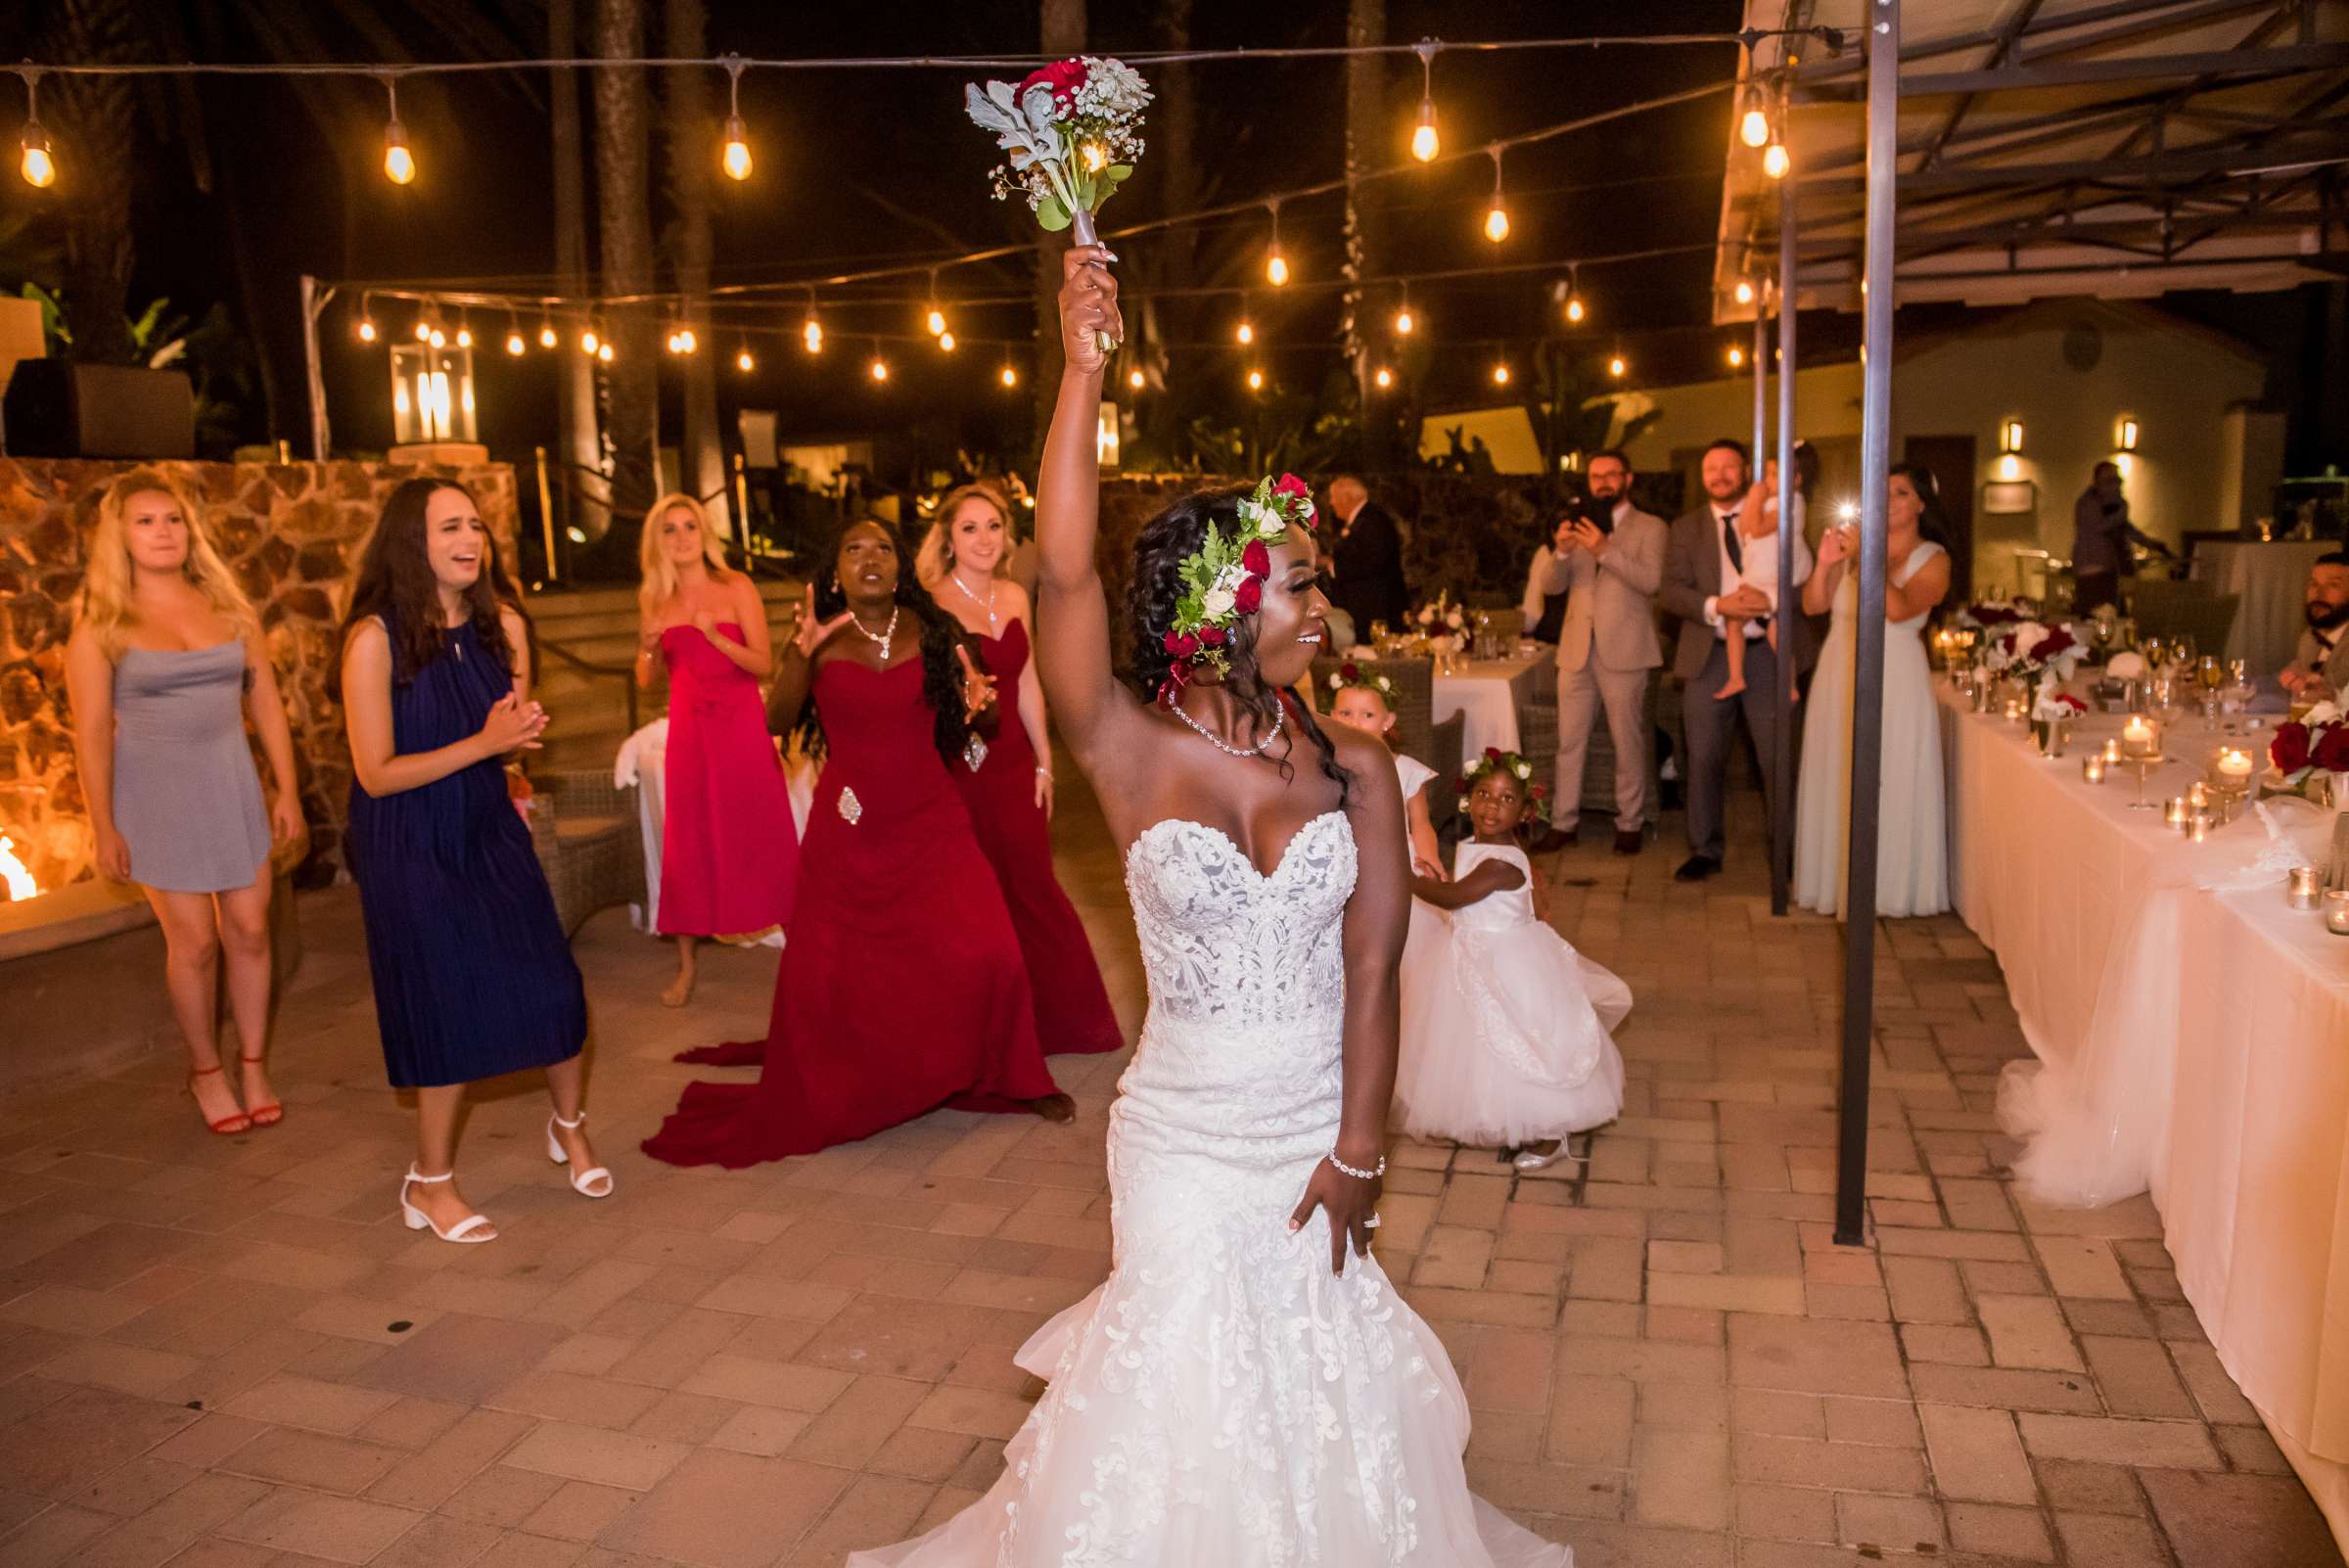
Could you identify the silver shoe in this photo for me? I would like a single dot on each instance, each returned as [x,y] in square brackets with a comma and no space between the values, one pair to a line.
[1564,1153]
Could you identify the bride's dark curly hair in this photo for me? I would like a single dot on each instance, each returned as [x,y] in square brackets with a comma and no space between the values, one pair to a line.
[941,634]
[1164,542]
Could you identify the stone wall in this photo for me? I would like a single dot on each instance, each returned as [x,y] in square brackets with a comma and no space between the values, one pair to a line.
[290,533]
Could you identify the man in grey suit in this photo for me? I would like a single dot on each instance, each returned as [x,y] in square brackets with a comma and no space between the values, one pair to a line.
[2320,666]
[1607,644]
[1702,558]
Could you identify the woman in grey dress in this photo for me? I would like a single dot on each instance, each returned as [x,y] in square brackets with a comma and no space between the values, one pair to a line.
[165,664]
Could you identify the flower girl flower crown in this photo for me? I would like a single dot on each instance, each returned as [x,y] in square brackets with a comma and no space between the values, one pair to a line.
[1494,760]
[1350,675]
[1223,579]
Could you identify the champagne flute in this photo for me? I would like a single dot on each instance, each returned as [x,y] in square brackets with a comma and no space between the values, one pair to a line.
[2209,674]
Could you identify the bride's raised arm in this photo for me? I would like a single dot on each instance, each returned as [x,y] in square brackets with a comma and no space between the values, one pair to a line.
[1072,620]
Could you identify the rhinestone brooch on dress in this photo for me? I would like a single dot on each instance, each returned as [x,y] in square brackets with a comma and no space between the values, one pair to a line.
[851,808]
[974,753]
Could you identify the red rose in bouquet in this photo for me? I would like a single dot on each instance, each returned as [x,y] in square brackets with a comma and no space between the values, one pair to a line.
[1063,77]
[1291,484]
[1248,595]
[2289,750]
[2331,754]
[2058,641]
[1256,560]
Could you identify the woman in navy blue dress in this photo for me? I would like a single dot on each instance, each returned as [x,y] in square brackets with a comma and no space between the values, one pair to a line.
[473,977]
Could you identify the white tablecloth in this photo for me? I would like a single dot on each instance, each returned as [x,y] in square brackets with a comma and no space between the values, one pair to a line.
[1486,693]
[2273,579]
[2218,1021]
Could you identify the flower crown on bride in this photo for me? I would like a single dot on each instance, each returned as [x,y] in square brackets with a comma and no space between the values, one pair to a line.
[1223,579]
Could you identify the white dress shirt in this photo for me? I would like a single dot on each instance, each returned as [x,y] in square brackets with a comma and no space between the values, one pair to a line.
[1729,571]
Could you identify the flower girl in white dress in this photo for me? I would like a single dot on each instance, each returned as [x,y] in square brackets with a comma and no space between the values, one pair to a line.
[1505,1028]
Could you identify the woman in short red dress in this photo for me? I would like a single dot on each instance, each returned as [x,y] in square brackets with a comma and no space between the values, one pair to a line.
[901,988]
[728,849]
[1006,778]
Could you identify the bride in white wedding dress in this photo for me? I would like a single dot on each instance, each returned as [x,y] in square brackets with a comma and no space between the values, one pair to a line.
[1246,1390]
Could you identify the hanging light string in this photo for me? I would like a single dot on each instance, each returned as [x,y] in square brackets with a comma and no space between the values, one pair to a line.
[416,288]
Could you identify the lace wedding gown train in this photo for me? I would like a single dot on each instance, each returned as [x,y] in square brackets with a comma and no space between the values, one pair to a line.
[1222,1399]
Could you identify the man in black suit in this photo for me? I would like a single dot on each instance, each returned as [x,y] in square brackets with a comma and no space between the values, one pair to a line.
[1370,558]
[1702,559]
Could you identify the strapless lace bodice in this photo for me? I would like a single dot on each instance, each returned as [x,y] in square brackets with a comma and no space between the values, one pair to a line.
[1224,944]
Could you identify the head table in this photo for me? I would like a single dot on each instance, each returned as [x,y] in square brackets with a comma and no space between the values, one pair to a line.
[2193,1037]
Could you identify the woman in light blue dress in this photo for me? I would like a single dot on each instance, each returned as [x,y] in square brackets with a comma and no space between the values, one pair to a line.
[164,666]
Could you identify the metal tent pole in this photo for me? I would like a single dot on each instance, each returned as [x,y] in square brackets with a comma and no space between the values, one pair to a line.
[1761,369]
[1868,694]
[1791,609]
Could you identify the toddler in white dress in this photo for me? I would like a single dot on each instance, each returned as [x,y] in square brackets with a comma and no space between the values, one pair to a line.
[1505,1028]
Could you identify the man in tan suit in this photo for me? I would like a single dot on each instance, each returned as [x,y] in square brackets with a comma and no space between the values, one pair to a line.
[1607,644]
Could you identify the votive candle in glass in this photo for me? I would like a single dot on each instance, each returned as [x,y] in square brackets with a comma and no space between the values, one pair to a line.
[2091,768]
[2199,826]
[2337,911]
[2140,736]
[2175,814]
[2300,888]
[2112,750]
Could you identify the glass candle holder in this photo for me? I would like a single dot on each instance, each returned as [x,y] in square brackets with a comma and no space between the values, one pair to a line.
[2112,749]
[2301,889]
[2337,911]
[2091,768]
[2141,736]
[2199,826]
[2175,812]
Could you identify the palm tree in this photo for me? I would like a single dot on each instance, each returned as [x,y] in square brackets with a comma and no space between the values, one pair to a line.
[623,209]
[692,138]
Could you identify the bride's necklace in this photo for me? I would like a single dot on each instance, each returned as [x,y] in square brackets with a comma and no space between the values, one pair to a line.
[1279,717]
[988,604]
[885,634]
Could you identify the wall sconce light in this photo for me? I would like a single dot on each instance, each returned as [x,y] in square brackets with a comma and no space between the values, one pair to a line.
[2011,467]
[2126,438]
[2010,436]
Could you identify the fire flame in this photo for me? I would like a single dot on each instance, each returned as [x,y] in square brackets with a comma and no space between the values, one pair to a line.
[15,872]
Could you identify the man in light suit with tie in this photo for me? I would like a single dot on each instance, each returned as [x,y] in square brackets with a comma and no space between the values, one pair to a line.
[1607,644]
[1702,559]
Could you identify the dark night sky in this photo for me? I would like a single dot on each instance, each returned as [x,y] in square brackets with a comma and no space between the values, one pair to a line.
[842,155]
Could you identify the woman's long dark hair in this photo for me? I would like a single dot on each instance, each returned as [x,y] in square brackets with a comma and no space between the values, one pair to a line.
[1166,542]
[1933,521]
[395,580]
[941,634]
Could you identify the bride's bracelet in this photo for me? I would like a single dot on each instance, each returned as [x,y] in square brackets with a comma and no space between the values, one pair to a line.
[1358,1176]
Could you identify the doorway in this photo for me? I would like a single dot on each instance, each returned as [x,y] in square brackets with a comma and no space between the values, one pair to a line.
[1949,459]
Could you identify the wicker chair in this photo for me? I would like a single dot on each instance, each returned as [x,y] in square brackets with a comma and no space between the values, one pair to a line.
[589,842]
[1538,727]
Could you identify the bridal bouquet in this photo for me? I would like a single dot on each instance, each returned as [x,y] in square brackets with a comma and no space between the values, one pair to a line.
[1440,616]
[1072,131]
[2317,742]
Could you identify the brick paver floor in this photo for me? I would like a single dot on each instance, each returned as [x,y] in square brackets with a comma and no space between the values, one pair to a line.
[217,1353]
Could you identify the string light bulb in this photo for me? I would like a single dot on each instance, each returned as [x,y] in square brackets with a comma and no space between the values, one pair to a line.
[937,322]
[424,325]
[945,341]
[1247,331]
[1256,381]
[547,338]
[743,360]
[515,346]
[687,343]
[1616,367]
[878,369]
[1276,265]
[1135,379]
[366,328]
[736,158]
[1576,310]
[464,333]
[399,164]
[1500,373]
[1008,376]
[1736,356]
[1383,378]
[1753,125]
[1746,291]
[1776,160]
[1403,322]
[1496,216]
[812,333]
[1425,143]
[37,164]
[591,342]
[603,351]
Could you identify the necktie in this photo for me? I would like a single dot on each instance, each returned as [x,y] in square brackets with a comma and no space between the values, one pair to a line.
[1728,537]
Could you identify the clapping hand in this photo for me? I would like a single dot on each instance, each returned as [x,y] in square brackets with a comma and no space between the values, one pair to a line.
[512,725]
[978,689]
[810,633]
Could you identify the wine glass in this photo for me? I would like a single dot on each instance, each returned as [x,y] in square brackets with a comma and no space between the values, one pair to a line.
[2210,675]
[2186,650]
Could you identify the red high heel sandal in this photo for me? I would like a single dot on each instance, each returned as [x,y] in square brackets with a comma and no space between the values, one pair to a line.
[227,1126]
[268,1114]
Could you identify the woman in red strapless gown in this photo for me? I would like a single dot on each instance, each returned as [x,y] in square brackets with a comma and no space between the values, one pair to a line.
[1009,792]
[901,988]
[728,847]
